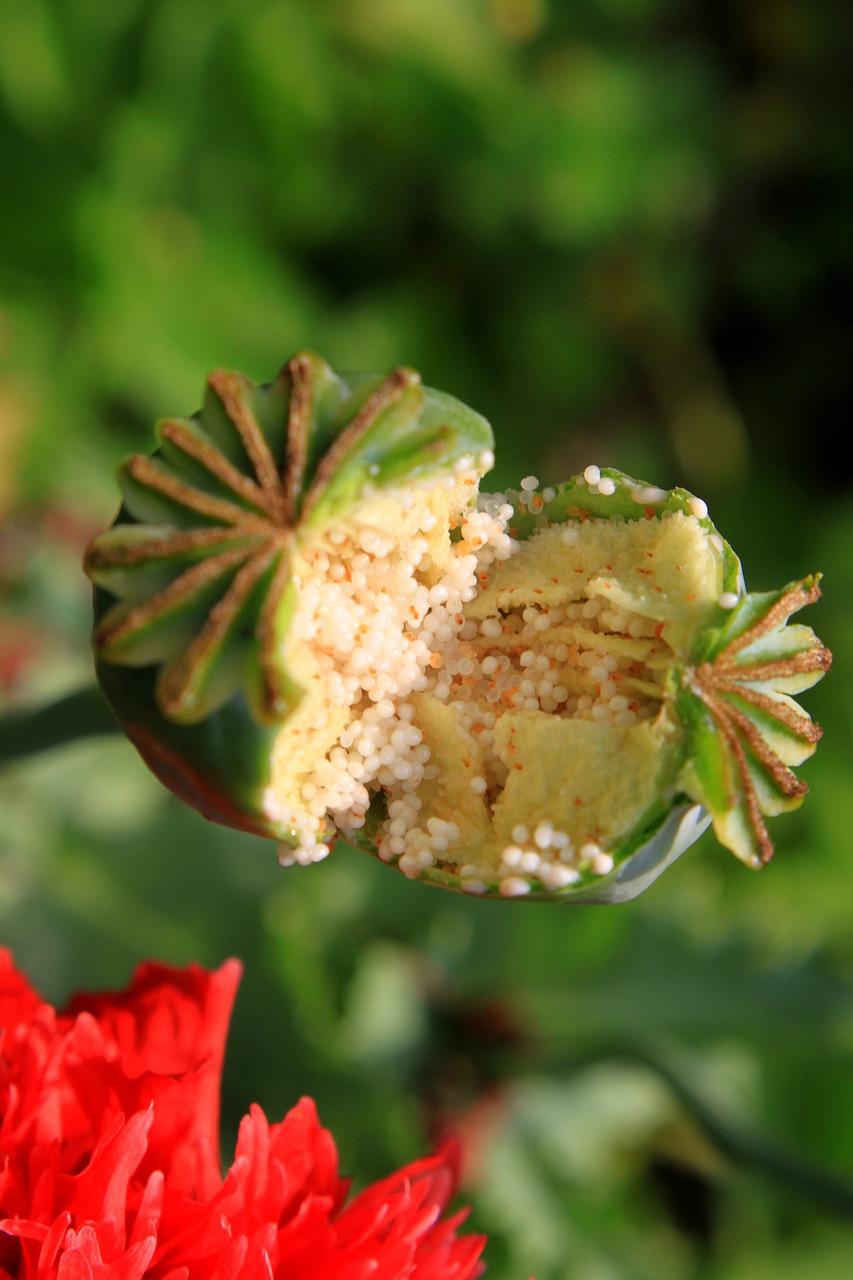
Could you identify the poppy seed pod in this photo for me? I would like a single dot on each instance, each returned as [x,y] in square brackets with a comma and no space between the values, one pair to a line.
[310,622]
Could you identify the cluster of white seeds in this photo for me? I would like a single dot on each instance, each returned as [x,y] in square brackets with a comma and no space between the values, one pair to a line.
[545,854]
[377,614]
[385,622]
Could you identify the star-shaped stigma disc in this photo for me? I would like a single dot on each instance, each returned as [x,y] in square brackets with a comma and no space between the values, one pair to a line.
[745,731]
[201,558]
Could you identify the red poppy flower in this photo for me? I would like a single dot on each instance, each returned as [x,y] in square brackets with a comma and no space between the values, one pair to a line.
[109,1165]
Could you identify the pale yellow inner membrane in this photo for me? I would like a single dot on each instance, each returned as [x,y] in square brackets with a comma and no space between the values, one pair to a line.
[506,697]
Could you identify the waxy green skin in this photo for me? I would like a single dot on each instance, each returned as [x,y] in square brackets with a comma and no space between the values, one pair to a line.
[219,766]
[194,598]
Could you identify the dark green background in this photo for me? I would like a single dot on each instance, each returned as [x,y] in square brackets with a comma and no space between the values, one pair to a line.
[617,228]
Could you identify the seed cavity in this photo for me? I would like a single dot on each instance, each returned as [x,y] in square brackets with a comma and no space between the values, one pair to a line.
[386,622]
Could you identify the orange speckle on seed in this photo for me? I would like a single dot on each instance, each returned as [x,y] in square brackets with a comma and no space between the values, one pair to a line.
[435,661]
[462,548]
[649,513]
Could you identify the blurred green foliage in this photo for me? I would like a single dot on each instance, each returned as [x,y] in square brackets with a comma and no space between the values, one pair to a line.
[616,227]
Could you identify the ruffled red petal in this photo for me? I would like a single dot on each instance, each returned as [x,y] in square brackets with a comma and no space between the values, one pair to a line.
[109,1119]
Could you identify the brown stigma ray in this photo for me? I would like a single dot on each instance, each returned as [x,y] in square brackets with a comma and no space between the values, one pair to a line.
[115,553]
[231,388]
[815,658]
[147,473]
[298,425]
[213,461]
[157,607]
[754,814]
[389,393]
[178,684]
[789,603]
[795,721]
[785,780]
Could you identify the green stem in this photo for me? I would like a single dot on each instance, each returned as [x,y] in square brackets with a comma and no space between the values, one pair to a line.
[82,714]
[742,1145]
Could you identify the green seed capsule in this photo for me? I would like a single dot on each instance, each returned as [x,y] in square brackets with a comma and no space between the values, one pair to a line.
[309,622]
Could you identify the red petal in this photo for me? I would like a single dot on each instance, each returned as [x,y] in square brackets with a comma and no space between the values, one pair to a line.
[18,1000]
[168,1031]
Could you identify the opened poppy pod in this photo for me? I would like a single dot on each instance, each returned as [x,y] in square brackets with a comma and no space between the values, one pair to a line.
[311,623]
